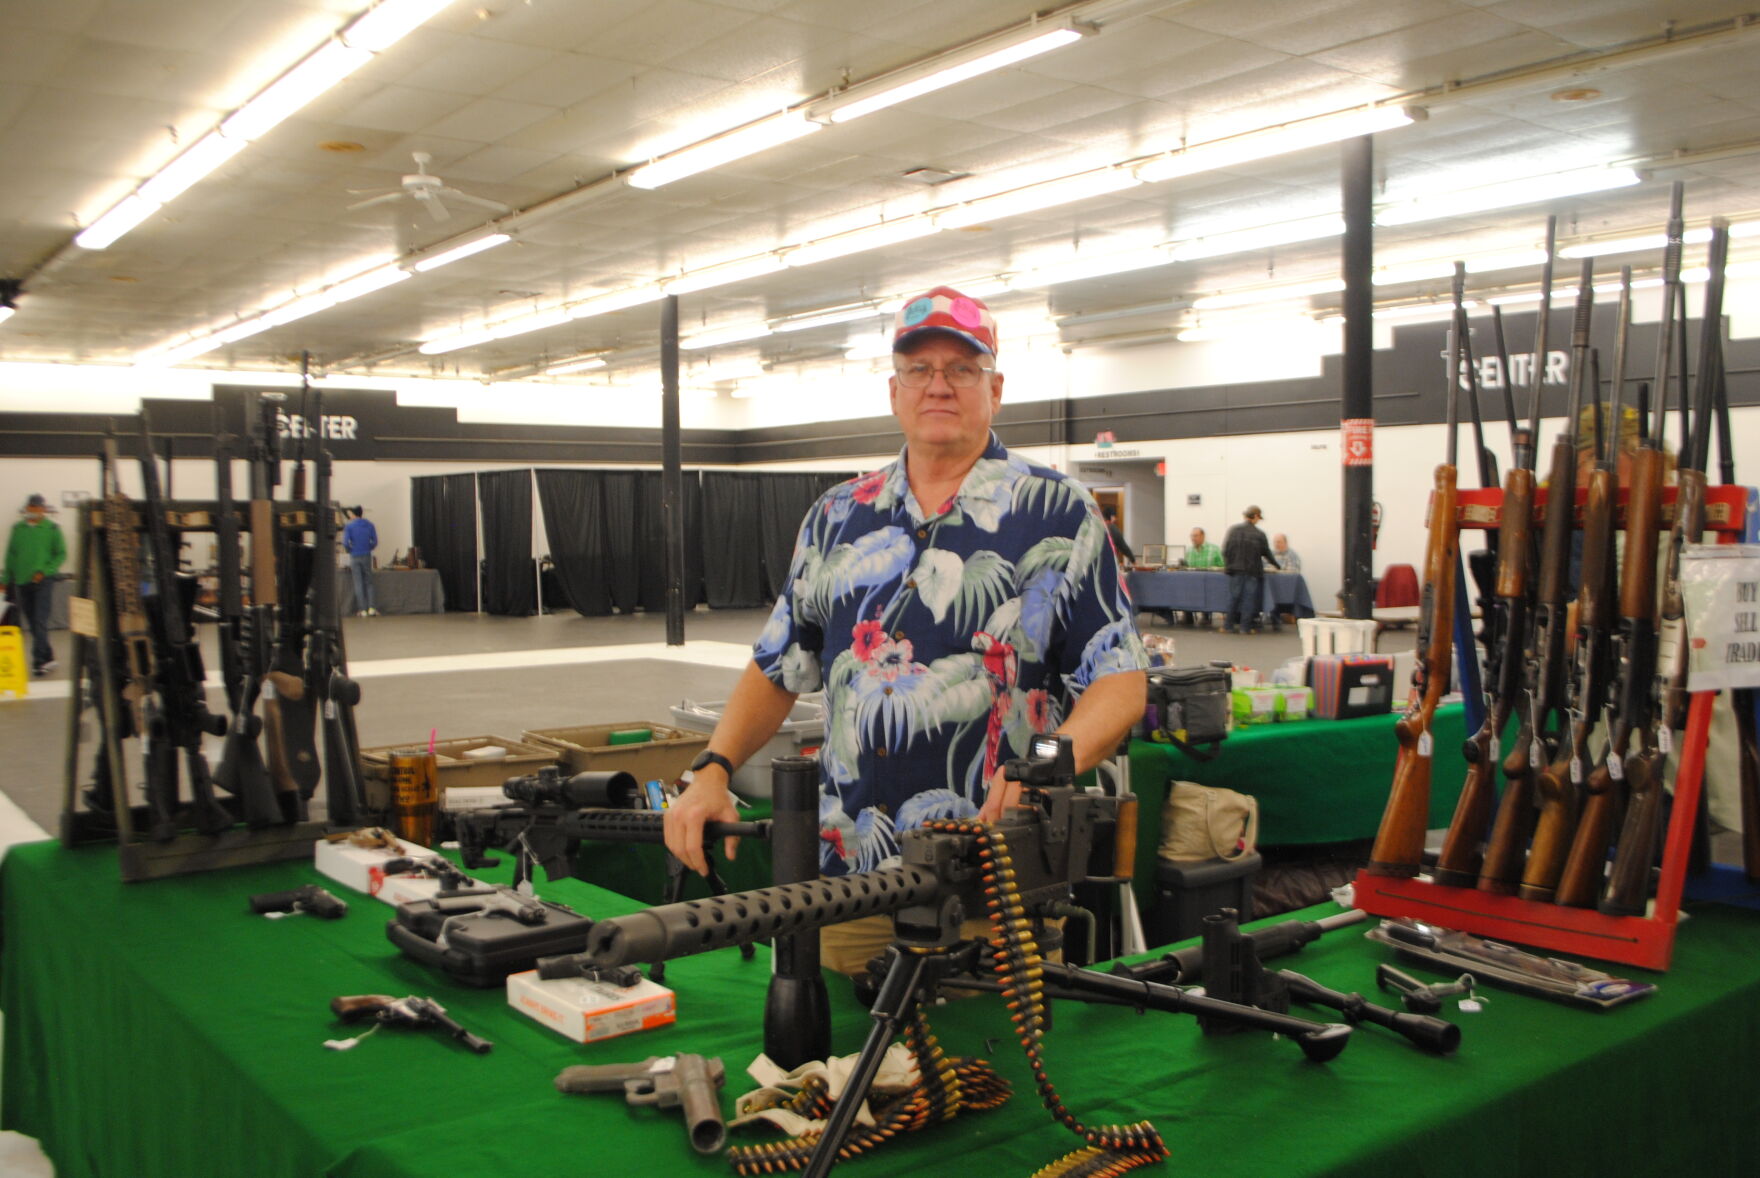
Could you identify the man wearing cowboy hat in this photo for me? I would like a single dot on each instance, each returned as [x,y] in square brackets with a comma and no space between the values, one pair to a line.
[34,554]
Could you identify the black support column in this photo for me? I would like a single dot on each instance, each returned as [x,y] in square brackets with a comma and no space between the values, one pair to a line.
[1357,408]
[671,472]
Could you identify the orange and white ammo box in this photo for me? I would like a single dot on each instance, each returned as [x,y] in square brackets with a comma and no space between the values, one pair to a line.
[588,1011]
[363,869]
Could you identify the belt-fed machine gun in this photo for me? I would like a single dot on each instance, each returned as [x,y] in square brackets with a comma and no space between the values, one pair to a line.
[1014,871]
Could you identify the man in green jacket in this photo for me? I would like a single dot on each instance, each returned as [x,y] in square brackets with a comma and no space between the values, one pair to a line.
[34,554]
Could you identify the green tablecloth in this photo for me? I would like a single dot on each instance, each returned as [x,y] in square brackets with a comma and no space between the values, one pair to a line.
[1317,781]
[157,1029]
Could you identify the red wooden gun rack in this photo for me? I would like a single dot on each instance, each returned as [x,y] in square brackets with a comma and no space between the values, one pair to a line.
[1645,941]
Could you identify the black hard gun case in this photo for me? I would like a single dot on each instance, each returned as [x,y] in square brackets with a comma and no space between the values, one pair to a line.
[479,938]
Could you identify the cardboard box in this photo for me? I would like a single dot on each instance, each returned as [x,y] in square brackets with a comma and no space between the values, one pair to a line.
[586,748]
[590,1011]
[518,759]
[360,868]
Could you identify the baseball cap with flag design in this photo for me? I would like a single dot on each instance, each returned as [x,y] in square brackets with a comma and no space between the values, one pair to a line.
[945,310]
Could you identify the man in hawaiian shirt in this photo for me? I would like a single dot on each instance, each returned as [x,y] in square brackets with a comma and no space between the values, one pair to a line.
[950,605]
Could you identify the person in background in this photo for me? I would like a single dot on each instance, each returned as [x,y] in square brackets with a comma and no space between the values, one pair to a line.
[1201,555]
[1117,533]
[1245,552]
[1288,560]
[961,596]
[359,539]
[34,554]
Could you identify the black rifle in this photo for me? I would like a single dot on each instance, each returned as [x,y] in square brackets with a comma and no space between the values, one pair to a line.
[1274,940]
[278,580]
[122,558]
[183,716]
[243,662]
[553,815]
[327,660]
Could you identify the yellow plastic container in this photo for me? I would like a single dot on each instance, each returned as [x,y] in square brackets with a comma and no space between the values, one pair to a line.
[15,667]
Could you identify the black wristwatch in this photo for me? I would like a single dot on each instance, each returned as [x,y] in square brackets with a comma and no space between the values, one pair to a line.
[706,758]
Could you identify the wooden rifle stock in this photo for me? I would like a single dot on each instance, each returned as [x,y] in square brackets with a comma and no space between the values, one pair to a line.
[1628,883]
[1399,844]
[1501,872]
[1461,858]
[1579,879]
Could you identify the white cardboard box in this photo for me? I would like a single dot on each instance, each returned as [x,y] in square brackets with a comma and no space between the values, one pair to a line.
[361,868]
[588,1011]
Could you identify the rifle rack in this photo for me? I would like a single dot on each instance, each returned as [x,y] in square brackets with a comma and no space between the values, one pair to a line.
[94,672]
[1645,941]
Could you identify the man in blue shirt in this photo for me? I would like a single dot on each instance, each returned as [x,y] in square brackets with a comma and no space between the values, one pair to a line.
[359,538]
[950,605]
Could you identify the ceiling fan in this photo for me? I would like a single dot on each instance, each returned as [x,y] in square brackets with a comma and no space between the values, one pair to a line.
[428,190]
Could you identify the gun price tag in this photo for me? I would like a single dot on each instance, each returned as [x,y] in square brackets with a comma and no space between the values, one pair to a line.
[1576,770]
[1424,743]
[1616,768]
[1665,739]
[1495,754]
[1720,588]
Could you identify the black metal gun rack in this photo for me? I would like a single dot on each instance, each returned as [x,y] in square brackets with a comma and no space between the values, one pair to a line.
[85,818]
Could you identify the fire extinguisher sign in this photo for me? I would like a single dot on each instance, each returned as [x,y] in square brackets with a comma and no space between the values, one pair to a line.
[1359,441]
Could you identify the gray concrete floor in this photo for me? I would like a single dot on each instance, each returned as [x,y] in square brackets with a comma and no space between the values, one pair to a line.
[400,709]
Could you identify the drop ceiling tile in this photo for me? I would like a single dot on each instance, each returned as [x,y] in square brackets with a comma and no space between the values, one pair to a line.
[487,119]
[663,29]
[1307,26]
[567,80]
[477,67]
[399,108]
[500,165]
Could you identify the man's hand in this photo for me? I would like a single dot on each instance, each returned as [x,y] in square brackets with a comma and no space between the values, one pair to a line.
[1002,795]
[36,578]
[706,799]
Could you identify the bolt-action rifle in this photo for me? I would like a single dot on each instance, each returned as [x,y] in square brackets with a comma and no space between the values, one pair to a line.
[1543,658]
[1559,788]
[278,609]
[183,716]
[1628,885]
[1399,844]
[1632,647]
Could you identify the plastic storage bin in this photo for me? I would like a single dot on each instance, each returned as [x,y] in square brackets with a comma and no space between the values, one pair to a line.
[456,769]
[585,748]
[799,735]
[1185,893]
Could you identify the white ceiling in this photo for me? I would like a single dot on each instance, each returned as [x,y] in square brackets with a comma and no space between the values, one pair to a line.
[522,100]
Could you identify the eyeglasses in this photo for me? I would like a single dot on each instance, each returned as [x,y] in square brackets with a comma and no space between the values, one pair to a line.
[961,374]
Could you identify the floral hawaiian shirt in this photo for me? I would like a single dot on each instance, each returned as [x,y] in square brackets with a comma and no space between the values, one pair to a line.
[942,641]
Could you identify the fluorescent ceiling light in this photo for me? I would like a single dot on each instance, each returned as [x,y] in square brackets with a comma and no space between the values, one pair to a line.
[389,21]
[616,300]
[1269,294]
[1033,197]
[856,240]
[7,311]
[299,308]
[1455,202]
[1273,141]
[722,275]
[1436,269]
[586,365]
[846,315]
[173,180]
[866,103]
[331,63]
[244,330]
[452,343]
[523,324]
[1235,241]
[125,215]
[377,278]
[1077,269]
[712,153]
[1417,310]
[460,252]
[177,353]
[733,333]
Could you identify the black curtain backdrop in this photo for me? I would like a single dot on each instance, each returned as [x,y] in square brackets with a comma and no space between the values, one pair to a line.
[623,517]
[783,499]
[443,522]
[652,555]
[575,526]
[733,545]
[509,577]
